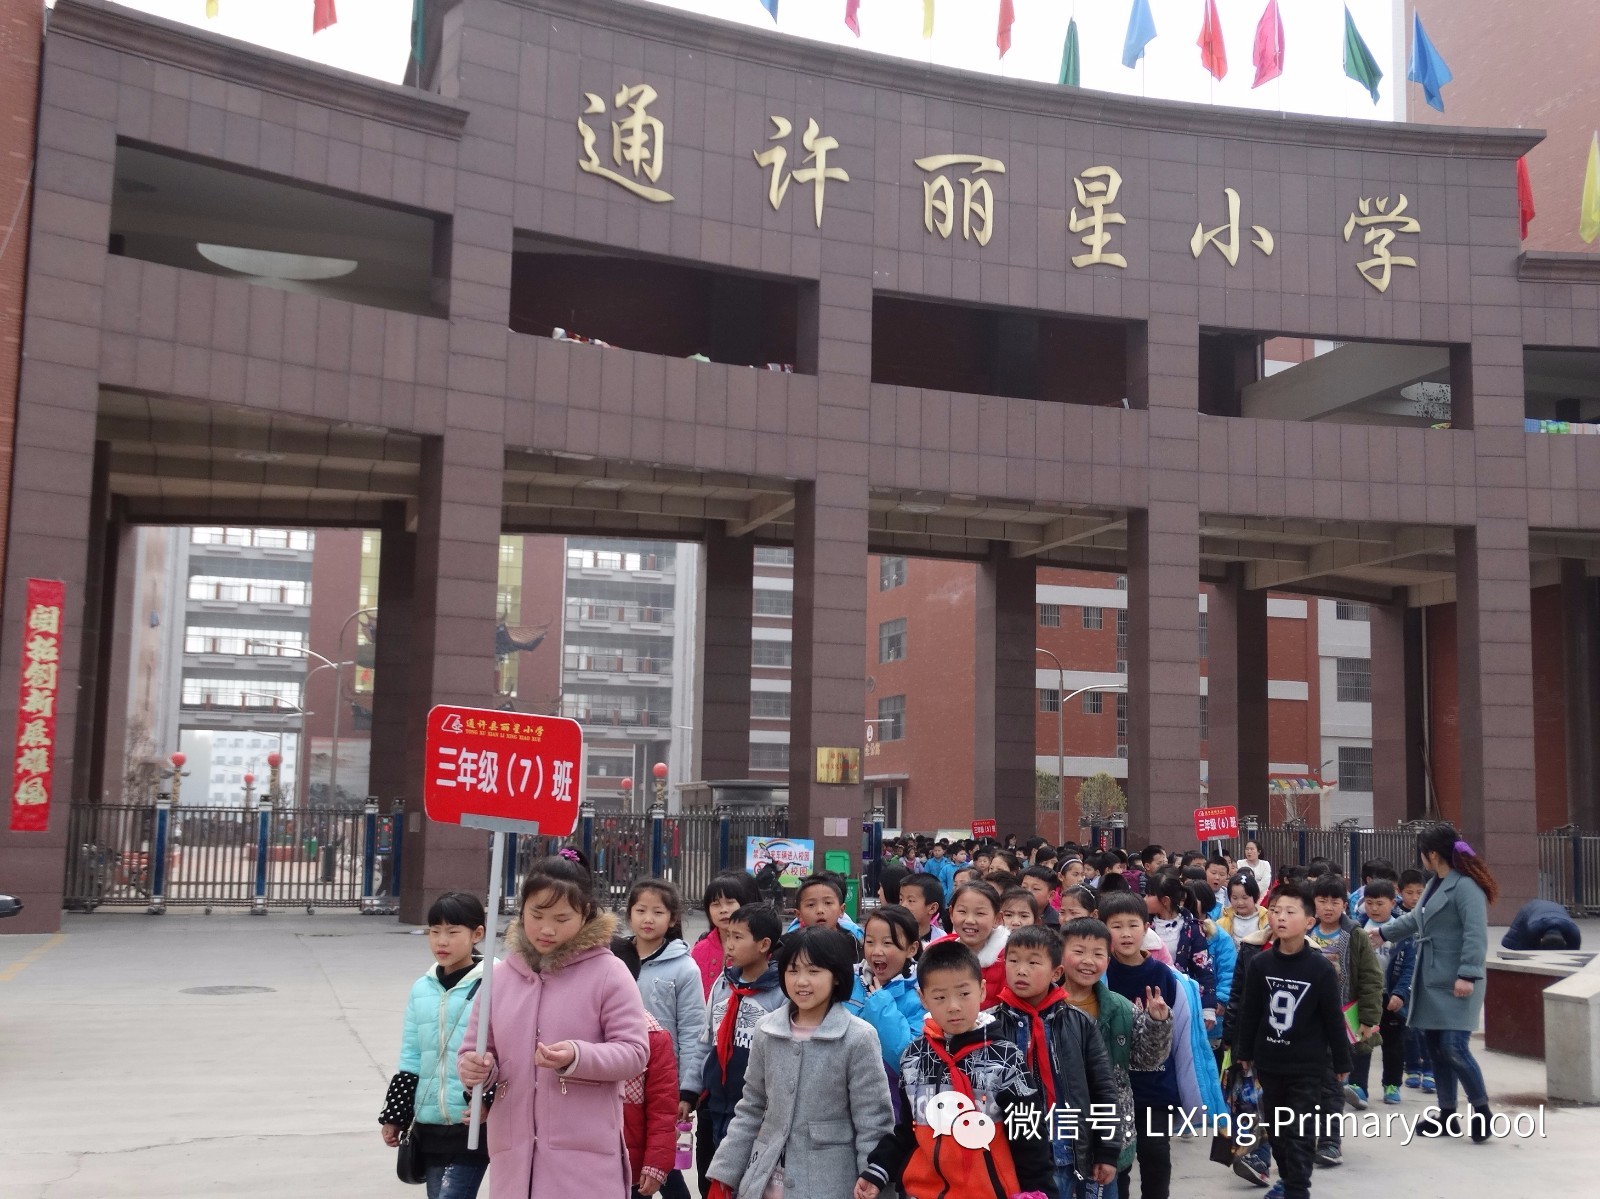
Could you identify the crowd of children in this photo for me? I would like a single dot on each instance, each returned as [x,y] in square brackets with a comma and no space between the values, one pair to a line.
[1003,1022]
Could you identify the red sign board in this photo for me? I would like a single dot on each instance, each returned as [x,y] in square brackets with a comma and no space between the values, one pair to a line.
[503,765]
[983,828]
[1216,822]
[33,773]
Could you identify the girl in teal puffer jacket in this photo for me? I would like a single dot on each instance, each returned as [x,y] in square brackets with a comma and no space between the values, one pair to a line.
[885,991]
[425,1094]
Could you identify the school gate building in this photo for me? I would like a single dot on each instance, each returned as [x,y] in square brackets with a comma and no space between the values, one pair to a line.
[933,314]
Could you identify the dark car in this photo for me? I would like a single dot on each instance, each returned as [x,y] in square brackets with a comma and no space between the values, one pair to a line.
[10,905]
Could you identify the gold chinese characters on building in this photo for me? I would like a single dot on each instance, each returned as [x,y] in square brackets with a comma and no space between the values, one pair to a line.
[836,764]
[638,142]
[977,196]
[817,146]
[1228,246]
[1382,225]
[1097,190]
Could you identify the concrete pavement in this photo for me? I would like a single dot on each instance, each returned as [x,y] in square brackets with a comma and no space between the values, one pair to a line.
[121,1081]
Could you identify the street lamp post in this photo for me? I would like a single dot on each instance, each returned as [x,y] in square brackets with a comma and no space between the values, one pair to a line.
[338,700]
[1061,741]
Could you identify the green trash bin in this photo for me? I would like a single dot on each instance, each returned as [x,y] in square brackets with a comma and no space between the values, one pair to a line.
[852,899]
[837,861]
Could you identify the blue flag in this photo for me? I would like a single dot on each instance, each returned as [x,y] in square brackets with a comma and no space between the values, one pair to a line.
[771,6]
[1427,68]
[1141,32]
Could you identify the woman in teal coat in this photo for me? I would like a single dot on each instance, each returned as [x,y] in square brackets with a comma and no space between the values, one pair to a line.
[1451,926]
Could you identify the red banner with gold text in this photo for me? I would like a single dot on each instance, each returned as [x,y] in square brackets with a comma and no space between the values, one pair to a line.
[34,773]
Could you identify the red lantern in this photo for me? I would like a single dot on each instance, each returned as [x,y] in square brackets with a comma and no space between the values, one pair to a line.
[659,770]
[249,780]
[178,760]
[274,759]
[627,784]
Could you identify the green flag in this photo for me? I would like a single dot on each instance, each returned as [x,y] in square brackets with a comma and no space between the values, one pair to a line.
[1358,61]
[1069,55]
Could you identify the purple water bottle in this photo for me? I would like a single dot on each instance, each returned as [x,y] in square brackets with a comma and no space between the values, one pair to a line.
[685,1158]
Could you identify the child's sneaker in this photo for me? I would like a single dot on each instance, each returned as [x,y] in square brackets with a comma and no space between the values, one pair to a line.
[1427,1082]
[1276,1192]
[1414,1079]
[1251,1170]
[1356,1095]
[1328,1155]
[1391,1094]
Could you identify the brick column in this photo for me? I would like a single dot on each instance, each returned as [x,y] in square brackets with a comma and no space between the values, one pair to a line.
[1004,691]
[1397,793]
[1236,632]
[1579,658]
[830,611]
[722,725]
[1163,572]
[392,661]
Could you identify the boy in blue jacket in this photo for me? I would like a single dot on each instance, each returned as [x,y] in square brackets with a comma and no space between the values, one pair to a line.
[1399,961]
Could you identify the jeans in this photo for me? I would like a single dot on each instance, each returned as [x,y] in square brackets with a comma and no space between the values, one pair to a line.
[1285,1098]
[1085,1188]
[1393,1029]
[1332,1104]
[1154,1153]
[1417,1058]
[458,1180]
[1451,1051]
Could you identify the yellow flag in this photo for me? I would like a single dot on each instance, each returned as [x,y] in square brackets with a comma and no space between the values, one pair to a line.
[1589,210]
[211,8]
[927,18]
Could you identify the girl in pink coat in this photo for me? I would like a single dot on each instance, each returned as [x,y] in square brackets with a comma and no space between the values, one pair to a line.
[567,1029]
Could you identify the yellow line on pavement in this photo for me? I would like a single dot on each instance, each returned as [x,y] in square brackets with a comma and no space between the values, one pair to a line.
[28,959]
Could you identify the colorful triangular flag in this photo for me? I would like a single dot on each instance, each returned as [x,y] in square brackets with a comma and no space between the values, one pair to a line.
[1589,209]
[1427,68]
[1008,17]
[1358,61]
[1268,56]
[323,15]
[1213,53]
[852,16]
[1141,32]
[211,9]
[1069,55]
[1525,209]
[927,18]
[771,6]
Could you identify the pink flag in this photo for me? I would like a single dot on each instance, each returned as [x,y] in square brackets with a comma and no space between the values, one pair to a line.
[852,20]
[1213,54]
[1525,208]
[1007,18]
[1269,45]
[323,16]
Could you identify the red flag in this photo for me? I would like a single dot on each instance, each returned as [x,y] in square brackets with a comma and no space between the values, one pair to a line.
[1268,55]
[323,16]
[1525,208]
[1007,18]
[851,20]
[1213,54]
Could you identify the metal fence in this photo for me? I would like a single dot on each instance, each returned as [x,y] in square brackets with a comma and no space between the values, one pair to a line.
[156,856]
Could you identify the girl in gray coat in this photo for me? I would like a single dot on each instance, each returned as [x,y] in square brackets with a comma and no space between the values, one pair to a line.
[816,1099]
[1451,926]
[669,983]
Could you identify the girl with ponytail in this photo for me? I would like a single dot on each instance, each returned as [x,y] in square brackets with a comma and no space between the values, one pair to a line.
[1451,926]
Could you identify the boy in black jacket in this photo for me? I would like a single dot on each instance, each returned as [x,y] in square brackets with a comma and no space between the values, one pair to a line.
[1291,1030]
[1066,1056]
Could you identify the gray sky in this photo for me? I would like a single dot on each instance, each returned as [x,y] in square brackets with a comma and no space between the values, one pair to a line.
[372,38]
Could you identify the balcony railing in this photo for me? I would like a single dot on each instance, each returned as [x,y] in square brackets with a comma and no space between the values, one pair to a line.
[584,609]
[602,717]
[615,663]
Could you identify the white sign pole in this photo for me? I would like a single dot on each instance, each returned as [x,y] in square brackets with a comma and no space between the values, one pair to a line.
[496,863]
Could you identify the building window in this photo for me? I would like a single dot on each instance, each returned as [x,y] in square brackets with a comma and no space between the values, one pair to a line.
[1122,641]
[773,653]
[1205,718]
[1350,610]
[1122,582]
[249,591]
[1094,618]
[769,705]
[892,640]
[1205,637]
[1049,616]
[260,643]
[1354,677]
[1355,768]
[1122,725]
[774,555]
[889,801]
[1049,699]
[1093,703]
[765,755]
[774,603]
[891,573]
[892,718]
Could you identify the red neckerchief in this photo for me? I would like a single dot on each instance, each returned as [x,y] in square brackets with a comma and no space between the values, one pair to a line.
[730,1021]
[1038,1046]
[952,1062]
